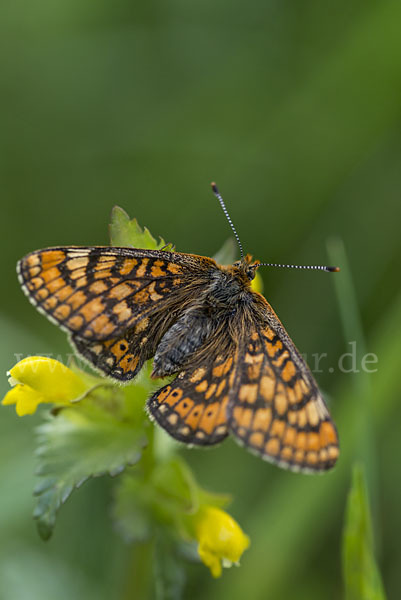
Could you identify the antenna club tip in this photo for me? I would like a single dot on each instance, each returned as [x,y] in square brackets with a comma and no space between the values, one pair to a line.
[214,187]
[333,269]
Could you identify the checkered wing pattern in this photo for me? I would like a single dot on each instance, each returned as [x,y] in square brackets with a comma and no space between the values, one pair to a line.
[122,358]
[276,409]
[193,407]
[97,293]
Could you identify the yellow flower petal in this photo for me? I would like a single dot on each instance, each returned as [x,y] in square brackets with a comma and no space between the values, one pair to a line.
[49,377]
[39,379]
[221,539]
[26,400]
[257,283]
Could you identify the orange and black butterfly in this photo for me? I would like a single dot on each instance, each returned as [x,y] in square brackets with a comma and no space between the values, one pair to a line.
[237,370]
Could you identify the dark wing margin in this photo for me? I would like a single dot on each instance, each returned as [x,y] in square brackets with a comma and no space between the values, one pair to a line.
[276,409]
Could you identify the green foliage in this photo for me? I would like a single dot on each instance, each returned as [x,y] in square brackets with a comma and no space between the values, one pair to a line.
[361,574]
[90,440]
[165,495]
[178,489]
[127,232]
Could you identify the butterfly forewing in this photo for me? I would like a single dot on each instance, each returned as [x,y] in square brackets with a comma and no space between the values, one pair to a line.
[97,293]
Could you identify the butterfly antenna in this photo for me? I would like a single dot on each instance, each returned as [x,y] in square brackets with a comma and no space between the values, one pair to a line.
[310,267]
[225,211]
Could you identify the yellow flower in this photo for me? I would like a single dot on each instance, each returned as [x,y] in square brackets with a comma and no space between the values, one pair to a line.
[221,539]
[39,379]
[257,283]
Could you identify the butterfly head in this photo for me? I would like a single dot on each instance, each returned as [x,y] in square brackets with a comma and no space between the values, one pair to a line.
[247,266]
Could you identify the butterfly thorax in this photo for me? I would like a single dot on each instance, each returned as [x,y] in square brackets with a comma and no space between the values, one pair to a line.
[247,267]
[222,306]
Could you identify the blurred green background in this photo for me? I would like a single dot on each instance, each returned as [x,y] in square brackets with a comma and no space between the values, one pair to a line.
[294,108]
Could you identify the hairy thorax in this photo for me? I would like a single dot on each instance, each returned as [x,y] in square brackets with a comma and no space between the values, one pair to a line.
[224,304]
[229,286]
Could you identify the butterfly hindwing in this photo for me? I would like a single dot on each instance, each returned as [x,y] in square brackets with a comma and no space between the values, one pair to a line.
[98,293]
[122,358]
[277,410]
[193,407]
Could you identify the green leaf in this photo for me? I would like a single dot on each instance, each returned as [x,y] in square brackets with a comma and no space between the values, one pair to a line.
[361,574]
[77,444]
[227,253]
[126,232]
[213,498]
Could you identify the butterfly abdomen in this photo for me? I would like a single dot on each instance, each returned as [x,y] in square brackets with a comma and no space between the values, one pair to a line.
[181,341]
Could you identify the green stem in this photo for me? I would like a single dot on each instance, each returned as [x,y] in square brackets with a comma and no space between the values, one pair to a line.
[138,584]
[139,579]
[353,331]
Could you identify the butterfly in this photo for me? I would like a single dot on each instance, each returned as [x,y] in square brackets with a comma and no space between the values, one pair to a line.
[236,369]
